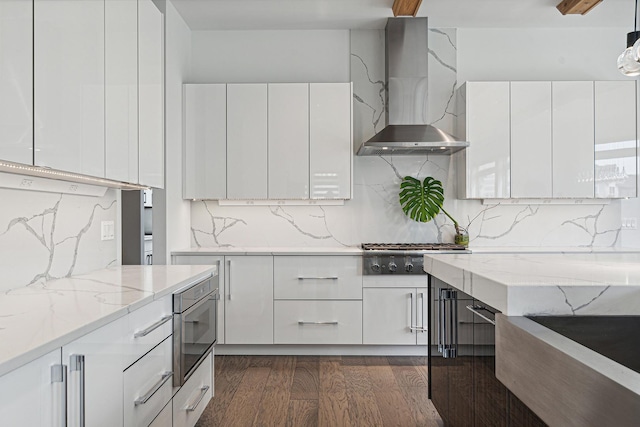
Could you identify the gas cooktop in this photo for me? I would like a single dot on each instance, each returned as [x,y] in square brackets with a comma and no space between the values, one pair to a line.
[402,258]
[420,247]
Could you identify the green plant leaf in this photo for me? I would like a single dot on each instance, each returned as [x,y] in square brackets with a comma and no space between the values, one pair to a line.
[421,201]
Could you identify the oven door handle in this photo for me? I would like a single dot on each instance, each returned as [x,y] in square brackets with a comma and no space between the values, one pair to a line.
[475,309]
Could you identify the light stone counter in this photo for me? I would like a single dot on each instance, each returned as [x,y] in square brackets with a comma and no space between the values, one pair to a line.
[270,250]
[538,283]
[37,319]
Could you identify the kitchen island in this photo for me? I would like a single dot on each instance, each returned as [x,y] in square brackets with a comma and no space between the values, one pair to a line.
[564,382]
[97,348]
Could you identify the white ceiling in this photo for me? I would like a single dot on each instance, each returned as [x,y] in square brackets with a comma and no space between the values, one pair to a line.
[361,14]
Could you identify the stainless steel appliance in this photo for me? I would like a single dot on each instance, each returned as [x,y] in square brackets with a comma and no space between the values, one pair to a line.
[195,314]
[402,258]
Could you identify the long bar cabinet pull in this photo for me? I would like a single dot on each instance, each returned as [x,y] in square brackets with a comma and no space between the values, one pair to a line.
[59,375]
[76,364]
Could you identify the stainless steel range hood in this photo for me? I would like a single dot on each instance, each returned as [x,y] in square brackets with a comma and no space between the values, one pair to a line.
[406,67]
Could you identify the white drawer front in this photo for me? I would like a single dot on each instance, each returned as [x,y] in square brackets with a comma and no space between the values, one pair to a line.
[317,277]
[389,281]
[192,398]
[164,418]
[318,322]
[147,383]
[148,326]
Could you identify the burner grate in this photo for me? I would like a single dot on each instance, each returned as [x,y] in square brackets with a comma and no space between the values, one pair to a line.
[412,247]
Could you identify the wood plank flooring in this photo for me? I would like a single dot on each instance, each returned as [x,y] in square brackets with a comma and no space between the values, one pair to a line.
[301,391]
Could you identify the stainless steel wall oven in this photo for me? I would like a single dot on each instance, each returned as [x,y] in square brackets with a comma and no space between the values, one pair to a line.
[195,314]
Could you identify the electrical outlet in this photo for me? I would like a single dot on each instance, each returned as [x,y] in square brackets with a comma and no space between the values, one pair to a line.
[629,223]
[108,230]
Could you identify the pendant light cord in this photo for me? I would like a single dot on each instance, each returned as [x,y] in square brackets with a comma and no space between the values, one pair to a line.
[635,18]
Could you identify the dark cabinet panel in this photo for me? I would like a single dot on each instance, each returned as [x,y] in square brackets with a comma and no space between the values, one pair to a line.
[461,391]
[519,414]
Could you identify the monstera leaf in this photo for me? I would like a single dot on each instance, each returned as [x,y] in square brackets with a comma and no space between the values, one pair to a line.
[422,201]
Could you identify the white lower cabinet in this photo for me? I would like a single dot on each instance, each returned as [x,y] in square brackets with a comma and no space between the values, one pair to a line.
[249,299]
[318,322]
[190,401]
[165,417]
[148,385]
[394,316]
[317,277]
[96,362]
[31,396]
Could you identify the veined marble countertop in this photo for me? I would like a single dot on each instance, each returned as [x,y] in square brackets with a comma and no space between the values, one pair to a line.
[275,250]
[520,284]
[37,319]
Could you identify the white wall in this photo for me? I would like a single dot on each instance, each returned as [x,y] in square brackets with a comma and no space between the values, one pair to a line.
[540,53]
[270,56]
[171,214]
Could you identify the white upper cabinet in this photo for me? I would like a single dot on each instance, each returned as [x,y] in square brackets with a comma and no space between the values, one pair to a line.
[531,139]
[573,144]
[69,85]
[483,120]
[121,90]
[16,81]
[205,141]
[615,139]
[247,141]
[151,94]
[288,141]
[565,139]
[330,140]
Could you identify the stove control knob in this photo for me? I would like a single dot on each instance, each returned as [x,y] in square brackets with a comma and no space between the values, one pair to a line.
[393,266]
[408,267]
[375,267]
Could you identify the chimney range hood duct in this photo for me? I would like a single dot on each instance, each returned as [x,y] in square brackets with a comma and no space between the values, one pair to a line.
[407,132]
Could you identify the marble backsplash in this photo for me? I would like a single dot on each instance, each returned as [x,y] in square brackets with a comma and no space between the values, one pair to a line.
[374,213]
[51,235]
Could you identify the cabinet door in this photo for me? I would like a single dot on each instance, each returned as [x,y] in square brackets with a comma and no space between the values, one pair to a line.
[388,315]
[205,141]
[151,94]
[249,303]
[615,139]
[531,139]
[247,141]
[488,132]
[288,141]
[573,139]
[104,362]
[31,396]
[69,85]
[330,140]
[121,90]
[16,81]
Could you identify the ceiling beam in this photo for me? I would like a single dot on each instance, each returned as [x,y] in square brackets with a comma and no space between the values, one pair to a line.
[406,7]
[577,7]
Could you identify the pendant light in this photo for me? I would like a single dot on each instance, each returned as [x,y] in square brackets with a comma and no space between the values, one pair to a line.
[629,60]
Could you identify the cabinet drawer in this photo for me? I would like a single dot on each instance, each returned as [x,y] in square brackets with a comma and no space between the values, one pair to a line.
[317,277]
[146,329]
[318,322]
[192,398]
[164,418]
[148,384]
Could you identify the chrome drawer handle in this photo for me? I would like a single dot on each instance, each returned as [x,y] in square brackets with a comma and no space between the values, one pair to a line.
[153,327]
[318,278]
[474,309]
[203,392]
[145,398]
[335,322]
[59,375]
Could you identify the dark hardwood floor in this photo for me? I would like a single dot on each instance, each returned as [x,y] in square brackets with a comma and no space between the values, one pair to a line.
[302,391]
